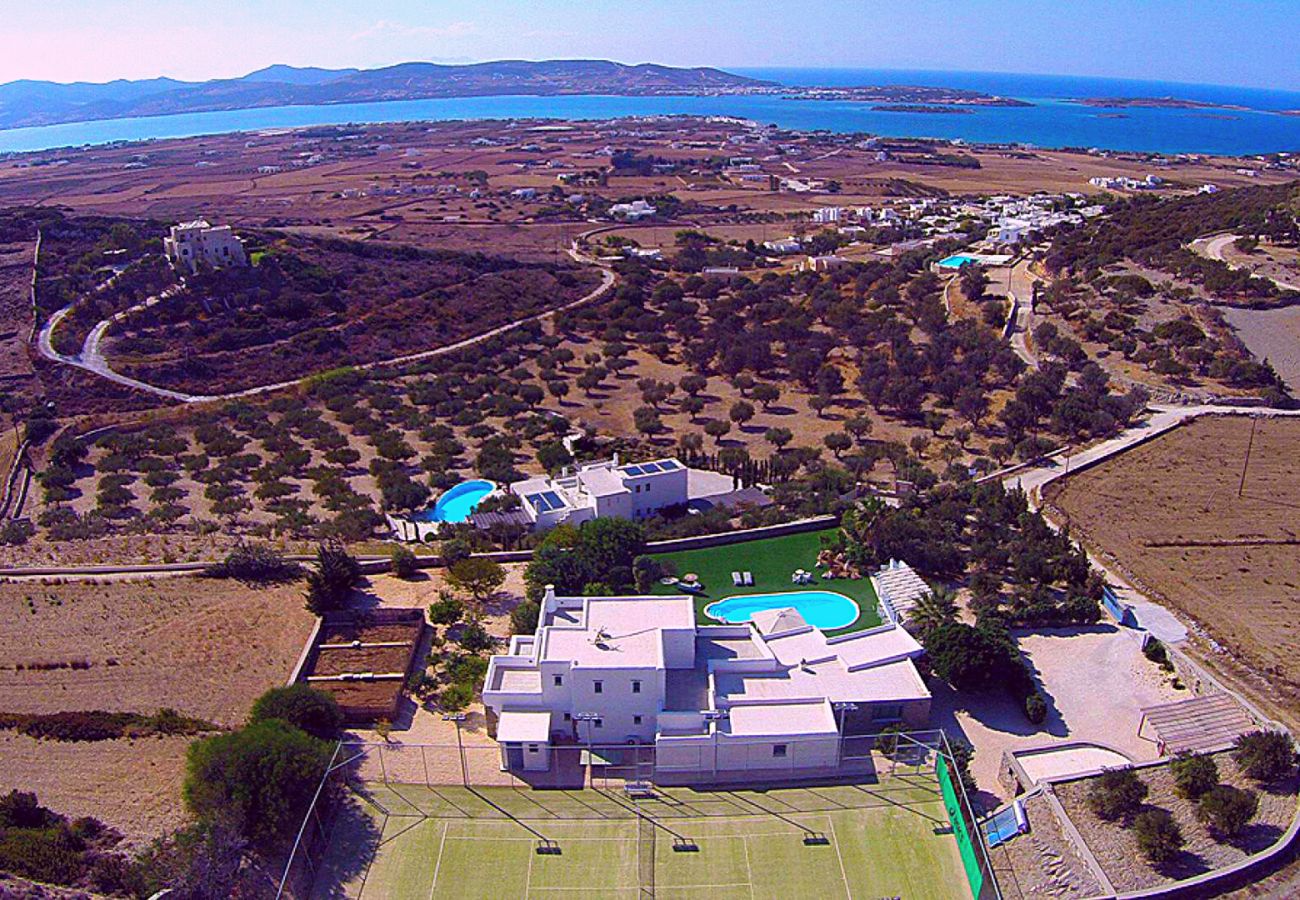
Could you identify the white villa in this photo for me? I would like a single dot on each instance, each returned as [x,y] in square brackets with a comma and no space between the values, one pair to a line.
[607,488]
[771,694]
[192,243]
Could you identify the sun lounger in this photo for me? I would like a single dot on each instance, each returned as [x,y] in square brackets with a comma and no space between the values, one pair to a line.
[735,579]
[749,579]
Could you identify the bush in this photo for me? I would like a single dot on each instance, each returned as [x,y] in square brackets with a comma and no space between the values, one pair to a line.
[1158,835]
[1227,809]
[1264,755]
[99,725]
[315,712]
[1193,775]
[330,584]
[1035,708]
[524,617]
[1116,794]
[475,638]
[478,577]
[887,740]
[446,610]
[257,781]
[255,564]
[456,697]
[1156,652]
[404,562]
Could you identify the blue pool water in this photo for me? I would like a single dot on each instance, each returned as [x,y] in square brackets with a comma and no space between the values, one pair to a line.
[957,261]
[823,609]
[457,504]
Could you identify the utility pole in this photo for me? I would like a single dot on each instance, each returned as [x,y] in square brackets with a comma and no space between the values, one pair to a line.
[1241,486]
[460,747]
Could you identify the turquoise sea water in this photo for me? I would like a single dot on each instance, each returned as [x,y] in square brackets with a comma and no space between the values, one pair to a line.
[458,503]
[1052,121]
[824,609]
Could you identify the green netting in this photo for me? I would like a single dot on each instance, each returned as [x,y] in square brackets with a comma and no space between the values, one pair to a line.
[965,843]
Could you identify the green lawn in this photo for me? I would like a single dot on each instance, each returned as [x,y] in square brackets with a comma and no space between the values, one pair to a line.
[417,842]
[771,560]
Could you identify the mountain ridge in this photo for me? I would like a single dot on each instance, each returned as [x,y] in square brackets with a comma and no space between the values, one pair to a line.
[31,103]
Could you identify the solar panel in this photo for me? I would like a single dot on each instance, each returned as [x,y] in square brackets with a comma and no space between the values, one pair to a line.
[547,501]
[553,499]
[669,464]
[632,470]
[649,468]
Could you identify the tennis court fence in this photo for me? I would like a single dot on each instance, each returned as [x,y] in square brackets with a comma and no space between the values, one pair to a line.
[356,767]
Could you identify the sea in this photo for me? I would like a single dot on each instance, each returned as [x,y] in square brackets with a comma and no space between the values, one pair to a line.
[1053,121]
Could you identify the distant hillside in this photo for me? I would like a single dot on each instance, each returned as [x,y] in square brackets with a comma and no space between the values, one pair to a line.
[25,103]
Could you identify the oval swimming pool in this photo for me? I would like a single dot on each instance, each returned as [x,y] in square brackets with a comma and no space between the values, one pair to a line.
[457,504]
[823,609]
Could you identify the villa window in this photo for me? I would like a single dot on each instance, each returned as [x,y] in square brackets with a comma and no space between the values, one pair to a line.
[888,712]
[636,687]
[599,723]
[559,681]
[598,687]
[779,751]
[568,717]
[636,720]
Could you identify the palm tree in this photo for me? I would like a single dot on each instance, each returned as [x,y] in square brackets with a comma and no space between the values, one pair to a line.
[932,610]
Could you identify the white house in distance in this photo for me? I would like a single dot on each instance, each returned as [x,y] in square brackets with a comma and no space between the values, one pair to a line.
[605,488]
[193,243]
[637,209]
[772,694]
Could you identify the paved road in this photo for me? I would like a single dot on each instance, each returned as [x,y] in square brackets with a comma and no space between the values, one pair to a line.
[1022,290]
[1214,247]
[91,359]
[1150,615]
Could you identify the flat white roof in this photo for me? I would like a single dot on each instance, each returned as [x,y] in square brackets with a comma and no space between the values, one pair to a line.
[601,482]
[618,632]
[781,719]
[531,726]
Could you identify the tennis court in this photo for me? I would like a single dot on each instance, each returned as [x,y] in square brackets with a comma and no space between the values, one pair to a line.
[887,838]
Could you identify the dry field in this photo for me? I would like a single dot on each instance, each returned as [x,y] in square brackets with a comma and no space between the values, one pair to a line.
[1168,513]
[206,648]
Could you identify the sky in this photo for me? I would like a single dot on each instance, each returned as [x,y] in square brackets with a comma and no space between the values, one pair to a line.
[1238,42]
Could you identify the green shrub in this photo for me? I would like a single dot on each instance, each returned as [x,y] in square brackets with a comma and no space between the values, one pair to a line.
[1158,835]
[1035,708]
[315,712]
[50,855]
[887,740]
[446,610]
[1193,775]
[1158,654]
[257,781]
[404,562]
[455,697]
[1227,809]
[475,638]
[255,564]
[99,725]
[330,584]
[1264,755]
[524,617]
[1116,794]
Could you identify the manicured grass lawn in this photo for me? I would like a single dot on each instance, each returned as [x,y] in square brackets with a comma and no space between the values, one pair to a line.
[771,560]
[456,842]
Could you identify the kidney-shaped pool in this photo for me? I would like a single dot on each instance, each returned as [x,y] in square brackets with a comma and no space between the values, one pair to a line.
[823,609]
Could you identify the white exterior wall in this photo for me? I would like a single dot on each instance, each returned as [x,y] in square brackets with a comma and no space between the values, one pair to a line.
[753,753]
[657,490]
[679,648]
[617,704]
[619,505]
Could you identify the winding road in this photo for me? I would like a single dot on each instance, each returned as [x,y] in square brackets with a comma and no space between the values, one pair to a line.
[91,358]
[1212,247]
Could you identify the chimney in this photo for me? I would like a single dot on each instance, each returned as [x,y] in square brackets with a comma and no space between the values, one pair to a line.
[549,603]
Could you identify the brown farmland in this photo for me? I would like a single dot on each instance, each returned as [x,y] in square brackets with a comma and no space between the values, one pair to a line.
[1169,513]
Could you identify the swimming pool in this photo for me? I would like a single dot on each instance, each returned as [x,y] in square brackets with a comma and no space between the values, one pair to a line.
[457,504]
[823,609]
[957,260]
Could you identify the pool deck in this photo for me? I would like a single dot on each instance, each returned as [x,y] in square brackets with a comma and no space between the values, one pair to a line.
[771,561]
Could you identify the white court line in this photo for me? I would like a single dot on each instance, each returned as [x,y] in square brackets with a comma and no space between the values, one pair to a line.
[843,874]
[528,878]
[749,872]
[438,865]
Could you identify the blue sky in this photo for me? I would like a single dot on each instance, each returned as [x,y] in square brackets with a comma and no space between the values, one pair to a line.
[1248,42]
